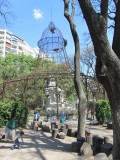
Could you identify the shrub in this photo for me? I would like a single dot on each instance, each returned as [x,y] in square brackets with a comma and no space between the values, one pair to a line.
[5,112]
[21,114]
[1,121]
[103,111]
[13,109]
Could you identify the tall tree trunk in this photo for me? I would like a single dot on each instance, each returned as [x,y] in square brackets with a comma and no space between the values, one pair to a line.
[108,62]
[77,80]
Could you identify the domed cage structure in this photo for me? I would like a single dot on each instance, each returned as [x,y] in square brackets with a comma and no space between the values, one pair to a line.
[52,40]
[52,46]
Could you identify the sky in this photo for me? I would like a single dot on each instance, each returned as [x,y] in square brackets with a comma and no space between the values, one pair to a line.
[31,17]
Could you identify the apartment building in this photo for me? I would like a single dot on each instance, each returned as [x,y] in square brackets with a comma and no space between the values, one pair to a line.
[10,43]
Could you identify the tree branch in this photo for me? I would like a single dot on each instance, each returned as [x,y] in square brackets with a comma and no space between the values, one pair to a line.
[111,18]
[4,10]
[115,2]
[111,26]
[116,37]
[104,9]
[96,22]
[111,12]
[66,10]
[70,18]
[77,79]
[73,10]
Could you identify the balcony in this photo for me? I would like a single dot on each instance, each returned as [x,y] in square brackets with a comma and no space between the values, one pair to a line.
[8,49]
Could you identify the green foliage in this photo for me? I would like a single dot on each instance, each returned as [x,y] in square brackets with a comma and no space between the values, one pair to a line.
[13,110]
[1,121]
[30,91]
[13,65]
[67,85]
[103,111]
[91,105]
[5,112]
[21,114]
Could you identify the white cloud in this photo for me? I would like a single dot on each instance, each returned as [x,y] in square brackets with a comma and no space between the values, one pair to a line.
[37,14]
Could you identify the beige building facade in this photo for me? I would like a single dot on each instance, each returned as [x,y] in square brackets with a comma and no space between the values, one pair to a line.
[10,43]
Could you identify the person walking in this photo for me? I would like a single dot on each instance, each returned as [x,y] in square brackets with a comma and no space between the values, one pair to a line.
[38,115]
[48,115]
[62,117]
[35,116]
[92,114]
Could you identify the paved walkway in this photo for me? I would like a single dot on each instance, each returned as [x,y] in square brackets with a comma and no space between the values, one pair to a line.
[41,146]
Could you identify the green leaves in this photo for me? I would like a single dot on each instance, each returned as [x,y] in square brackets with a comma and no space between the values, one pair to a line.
[13,109]
[103,111]
[30,89]
[14,65]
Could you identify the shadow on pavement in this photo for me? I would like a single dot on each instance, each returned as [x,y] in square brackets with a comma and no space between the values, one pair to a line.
[47,142]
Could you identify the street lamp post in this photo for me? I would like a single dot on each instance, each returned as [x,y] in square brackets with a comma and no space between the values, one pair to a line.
[57,98]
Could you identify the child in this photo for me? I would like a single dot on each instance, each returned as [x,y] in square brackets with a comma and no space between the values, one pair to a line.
[17,137]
